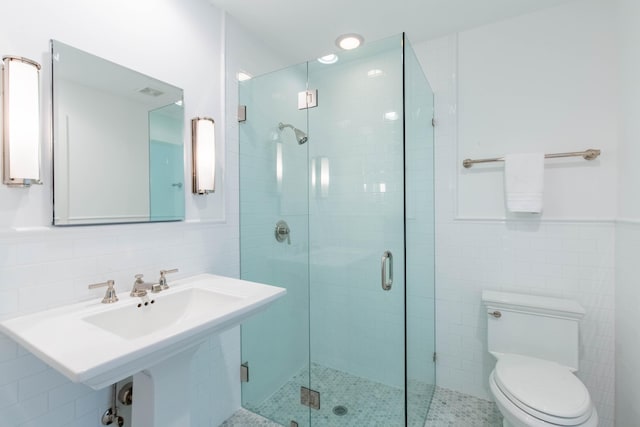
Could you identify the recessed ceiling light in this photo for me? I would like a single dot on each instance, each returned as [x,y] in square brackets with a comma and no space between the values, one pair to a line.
[328,59]
[349,41]
[242,76]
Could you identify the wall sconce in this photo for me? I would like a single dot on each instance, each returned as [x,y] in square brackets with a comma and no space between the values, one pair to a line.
[21,121]
[203,140]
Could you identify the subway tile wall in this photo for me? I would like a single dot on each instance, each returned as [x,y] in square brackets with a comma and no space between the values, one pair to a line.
[627,318]
[573,261]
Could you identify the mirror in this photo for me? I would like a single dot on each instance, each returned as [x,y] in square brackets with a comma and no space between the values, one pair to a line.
[117,142]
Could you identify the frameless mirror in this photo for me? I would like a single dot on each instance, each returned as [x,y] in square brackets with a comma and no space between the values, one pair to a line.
[117,142]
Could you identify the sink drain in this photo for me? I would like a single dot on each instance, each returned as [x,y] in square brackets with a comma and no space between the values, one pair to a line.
[339,410]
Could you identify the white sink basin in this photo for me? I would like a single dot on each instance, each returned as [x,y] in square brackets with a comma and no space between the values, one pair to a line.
[163,312]
[99,344]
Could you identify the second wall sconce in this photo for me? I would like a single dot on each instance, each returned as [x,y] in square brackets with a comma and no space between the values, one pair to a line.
[203,140]
[21,121]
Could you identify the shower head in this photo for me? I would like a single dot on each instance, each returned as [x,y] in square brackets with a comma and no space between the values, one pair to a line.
[301,137]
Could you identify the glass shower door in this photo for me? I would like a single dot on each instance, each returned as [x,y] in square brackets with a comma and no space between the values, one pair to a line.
[352,343]
[420,239]
[356,229]
[273,188]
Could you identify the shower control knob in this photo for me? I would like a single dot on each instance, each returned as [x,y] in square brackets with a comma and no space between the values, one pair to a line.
[282,232]
[495,314]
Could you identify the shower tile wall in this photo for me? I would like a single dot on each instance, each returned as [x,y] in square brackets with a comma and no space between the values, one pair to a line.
[570,257]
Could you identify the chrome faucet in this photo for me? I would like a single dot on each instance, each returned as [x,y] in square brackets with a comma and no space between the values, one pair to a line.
[110,296]
[140,287]
[162,282]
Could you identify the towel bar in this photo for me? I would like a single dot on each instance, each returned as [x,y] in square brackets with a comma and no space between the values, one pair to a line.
[589,154]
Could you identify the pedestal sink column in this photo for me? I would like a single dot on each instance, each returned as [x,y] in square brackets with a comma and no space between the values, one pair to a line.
[161,396]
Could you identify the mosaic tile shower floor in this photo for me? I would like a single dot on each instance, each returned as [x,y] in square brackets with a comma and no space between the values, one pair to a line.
[368,404]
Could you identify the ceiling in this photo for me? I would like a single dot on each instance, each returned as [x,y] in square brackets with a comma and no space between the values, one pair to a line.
[303,29]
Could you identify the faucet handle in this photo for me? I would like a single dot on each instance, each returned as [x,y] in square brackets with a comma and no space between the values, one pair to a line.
[163,280]
[110,296]
[173,270]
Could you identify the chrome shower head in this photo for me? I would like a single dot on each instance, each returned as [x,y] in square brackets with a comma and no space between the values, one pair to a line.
[301,137]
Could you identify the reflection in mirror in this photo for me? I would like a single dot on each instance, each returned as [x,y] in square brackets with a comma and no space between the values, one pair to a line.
[117,143]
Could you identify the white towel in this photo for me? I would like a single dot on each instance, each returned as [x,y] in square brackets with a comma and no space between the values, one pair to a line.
[524,182]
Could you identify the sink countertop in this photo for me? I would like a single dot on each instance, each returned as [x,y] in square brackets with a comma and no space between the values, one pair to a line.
[85,353]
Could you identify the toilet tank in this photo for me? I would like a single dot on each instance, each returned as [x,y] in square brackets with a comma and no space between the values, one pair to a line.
[542,327]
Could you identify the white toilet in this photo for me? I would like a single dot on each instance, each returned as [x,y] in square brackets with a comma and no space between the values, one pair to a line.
[535,342]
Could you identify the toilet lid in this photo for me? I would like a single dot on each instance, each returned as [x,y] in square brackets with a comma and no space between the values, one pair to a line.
[545,389]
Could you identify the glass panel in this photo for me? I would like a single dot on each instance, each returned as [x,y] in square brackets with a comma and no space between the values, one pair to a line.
[273,187]
[419,217]
[356,213]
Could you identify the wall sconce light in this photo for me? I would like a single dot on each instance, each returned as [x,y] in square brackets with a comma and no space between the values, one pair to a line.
[203,140]
[21,121]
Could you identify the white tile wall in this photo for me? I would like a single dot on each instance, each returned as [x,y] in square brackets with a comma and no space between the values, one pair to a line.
[567,258]
[627,318]
[524,260]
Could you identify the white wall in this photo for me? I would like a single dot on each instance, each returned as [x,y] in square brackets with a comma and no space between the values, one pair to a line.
[541,83]
[178,42]
[540,80]
[628,228]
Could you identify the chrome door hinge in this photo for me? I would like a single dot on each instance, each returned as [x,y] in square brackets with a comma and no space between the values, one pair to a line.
[244,372]
[433,122]
[242,113]
[307,99]
[310,398]
[435,357]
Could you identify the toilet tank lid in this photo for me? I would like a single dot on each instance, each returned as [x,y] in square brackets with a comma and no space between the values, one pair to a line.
[550,305]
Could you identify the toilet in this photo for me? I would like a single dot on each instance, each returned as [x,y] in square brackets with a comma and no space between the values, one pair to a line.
[535,342]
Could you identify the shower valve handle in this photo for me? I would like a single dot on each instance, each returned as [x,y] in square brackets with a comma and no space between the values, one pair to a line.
[282,232]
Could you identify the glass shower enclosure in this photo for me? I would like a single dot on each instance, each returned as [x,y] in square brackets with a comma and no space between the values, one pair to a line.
[336,205]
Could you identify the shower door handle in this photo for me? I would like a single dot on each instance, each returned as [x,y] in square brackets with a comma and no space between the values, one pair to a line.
[387,281]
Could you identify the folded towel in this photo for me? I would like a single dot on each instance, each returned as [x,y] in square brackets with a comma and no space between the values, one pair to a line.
[524,182]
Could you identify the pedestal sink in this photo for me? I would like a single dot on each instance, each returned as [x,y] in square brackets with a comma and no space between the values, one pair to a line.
[152,338]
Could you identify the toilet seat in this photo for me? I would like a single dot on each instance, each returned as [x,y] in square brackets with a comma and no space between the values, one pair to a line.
[543,389]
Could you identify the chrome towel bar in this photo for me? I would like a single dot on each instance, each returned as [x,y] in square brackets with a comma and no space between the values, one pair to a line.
[589,154]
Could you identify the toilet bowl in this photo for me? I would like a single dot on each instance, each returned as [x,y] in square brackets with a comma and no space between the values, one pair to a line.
[532,392]
[535,340]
